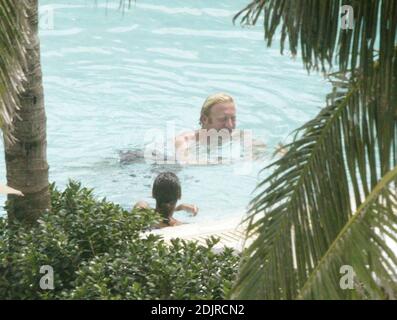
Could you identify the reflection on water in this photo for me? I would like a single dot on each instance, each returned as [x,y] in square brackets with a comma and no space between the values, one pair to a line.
[203,148]
[110,77]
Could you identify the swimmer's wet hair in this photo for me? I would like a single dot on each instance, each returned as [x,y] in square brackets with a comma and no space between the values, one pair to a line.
[166,188]
[212,100]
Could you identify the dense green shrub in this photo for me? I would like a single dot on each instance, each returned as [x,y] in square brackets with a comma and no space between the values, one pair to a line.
[97,251]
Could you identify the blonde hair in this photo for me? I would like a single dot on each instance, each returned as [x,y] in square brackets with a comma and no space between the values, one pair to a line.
[212,100]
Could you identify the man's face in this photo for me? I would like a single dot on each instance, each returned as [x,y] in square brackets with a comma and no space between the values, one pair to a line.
[222,116]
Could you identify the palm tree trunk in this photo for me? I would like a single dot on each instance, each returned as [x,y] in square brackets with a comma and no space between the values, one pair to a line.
[26,159]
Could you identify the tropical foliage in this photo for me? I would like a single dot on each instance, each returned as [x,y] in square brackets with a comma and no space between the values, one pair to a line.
[98,251]
[331,200]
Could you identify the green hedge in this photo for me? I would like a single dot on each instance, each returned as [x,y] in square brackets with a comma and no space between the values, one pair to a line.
[97,252]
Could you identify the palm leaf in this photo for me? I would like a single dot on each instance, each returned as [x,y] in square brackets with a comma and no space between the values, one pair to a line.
[12,61]
[304,222]
[334,164]
[315,27]
[376,266]
[14,39]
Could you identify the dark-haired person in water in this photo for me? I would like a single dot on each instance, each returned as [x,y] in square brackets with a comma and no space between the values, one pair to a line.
[167,191]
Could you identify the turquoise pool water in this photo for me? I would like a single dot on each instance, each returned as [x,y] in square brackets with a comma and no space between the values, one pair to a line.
[110,77]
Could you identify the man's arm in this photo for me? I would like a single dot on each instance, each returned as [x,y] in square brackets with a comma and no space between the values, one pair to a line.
[193,209]
[9,190]
[281,149]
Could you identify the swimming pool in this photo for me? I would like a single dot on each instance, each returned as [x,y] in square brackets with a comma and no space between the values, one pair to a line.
[111,77]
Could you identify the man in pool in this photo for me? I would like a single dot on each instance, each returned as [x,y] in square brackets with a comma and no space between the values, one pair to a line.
[9,190]
[218,124]
[167,191]
[217,118]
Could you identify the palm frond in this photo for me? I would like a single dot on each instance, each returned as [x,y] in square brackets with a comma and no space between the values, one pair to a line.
[362,244]
[333,165]
[12,61]
[315,27]
[14,40]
